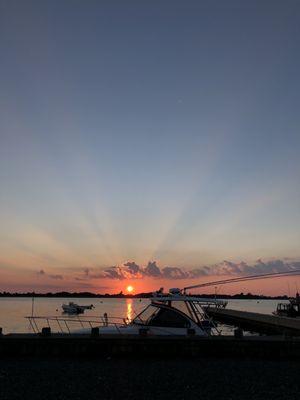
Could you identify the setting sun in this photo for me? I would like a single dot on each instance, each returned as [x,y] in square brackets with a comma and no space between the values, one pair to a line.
[129,288]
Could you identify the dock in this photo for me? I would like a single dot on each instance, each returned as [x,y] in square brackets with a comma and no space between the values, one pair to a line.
[58,345]
[255,322]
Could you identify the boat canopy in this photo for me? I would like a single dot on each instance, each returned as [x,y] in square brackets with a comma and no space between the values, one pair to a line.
[161,315]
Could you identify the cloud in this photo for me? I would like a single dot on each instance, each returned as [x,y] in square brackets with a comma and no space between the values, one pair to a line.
[242,268]
[174,273]
[132,267]
[41,272]
[131,270]
[124,271]
[58,276]
[152,270]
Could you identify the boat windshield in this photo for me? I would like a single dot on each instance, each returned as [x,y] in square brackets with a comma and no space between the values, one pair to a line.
[144,316]
[182,306]
[169,318]
[164,317]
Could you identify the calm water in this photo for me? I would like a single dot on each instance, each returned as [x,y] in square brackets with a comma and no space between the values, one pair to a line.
[13,310]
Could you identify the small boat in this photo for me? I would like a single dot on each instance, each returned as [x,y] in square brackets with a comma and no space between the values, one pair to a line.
[291,309]
[73,308]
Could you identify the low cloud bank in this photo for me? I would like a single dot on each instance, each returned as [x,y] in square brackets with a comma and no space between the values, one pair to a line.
[131,270]
[56,276]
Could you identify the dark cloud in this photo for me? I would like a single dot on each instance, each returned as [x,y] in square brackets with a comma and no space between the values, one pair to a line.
[86,272]
[132,267]
[152,270]
[174,273]
[55,276]
[242,268]
[115,273]
[131,270]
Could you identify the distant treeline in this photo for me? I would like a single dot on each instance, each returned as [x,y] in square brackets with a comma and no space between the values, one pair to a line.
[247,296]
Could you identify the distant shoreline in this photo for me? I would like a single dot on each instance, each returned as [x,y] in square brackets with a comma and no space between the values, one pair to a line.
[239,296]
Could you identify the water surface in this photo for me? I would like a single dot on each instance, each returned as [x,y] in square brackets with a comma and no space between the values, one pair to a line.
[13,310]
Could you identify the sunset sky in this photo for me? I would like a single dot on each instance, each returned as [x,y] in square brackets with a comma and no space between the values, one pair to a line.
[148,134]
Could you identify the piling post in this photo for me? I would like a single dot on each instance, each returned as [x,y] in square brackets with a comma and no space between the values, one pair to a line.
[238,333]
[46,331]
[95,331]
[191,332]
[143,332]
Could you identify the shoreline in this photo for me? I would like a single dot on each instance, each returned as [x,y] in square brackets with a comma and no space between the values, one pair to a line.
[138,296]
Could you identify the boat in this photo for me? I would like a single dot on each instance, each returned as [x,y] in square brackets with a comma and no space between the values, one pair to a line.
[73,308]
[172,314]
[168,314]
[290,309]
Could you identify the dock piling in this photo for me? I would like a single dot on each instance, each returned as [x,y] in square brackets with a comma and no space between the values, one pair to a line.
[238,333]
[46,331]
[95,331]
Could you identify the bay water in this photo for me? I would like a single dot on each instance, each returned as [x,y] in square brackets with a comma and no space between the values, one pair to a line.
[13,310]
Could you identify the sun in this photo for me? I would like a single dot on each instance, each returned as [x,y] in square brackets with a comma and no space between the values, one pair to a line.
[129,288]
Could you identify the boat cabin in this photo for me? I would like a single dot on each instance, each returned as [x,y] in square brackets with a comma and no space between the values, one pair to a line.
[175,310]
[162,315]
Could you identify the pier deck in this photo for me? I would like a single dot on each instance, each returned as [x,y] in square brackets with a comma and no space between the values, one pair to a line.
[57,345]
[262,323]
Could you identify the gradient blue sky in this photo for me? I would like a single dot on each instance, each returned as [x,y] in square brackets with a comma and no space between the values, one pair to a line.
[138,130]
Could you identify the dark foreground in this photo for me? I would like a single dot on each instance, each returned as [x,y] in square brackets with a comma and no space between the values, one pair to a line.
[101,379]
[163,347]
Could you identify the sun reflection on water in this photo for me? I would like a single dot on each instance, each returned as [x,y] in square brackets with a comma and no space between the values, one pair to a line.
[129,310]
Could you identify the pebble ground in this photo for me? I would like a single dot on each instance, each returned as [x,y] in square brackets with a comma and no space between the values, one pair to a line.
[113,379]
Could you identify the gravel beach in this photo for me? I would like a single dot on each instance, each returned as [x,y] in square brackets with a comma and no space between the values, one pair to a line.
[105,379]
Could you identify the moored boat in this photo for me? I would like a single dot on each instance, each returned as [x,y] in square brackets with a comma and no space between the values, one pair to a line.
[170,314]
[73,308]
[290,309]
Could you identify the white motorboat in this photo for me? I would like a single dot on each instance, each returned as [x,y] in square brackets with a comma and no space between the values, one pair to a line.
[170,314]
[73,308]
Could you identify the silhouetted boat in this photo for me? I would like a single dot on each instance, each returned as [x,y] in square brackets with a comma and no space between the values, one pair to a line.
[171,314]
[73,308]
[291,309]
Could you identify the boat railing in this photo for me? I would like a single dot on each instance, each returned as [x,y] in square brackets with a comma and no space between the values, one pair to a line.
[190,299]
[65,325]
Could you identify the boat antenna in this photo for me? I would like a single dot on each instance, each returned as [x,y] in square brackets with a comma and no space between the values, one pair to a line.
[243,278]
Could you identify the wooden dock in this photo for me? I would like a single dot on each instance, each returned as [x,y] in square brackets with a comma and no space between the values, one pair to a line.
[261,323]
[58,345]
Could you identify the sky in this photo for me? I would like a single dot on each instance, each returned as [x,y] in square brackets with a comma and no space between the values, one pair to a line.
[142,132]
